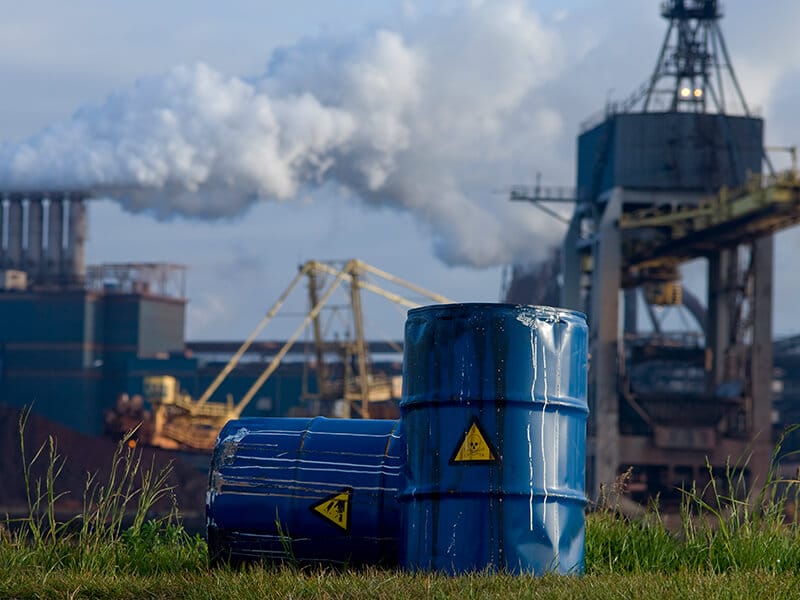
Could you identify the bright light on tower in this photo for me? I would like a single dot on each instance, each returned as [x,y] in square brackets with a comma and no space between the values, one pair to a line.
[685,92]
[698,93]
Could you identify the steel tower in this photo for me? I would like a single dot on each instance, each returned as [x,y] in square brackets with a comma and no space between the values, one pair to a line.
[693,65]
[658,404]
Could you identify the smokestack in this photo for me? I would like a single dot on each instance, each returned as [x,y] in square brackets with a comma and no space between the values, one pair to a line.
[33,249]
[3,203]
[14,249]
[55,239]
[74,253]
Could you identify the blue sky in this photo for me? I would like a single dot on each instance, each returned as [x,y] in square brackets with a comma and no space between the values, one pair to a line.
[57,57]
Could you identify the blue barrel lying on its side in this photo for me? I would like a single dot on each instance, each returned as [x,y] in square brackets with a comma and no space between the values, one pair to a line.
[494,415]
[322,490]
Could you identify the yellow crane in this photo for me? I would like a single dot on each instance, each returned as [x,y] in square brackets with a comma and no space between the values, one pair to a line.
[182,421]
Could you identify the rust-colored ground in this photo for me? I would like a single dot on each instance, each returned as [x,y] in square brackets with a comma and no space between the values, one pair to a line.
[83,454]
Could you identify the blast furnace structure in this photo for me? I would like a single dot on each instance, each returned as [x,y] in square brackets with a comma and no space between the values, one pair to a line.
[653,176]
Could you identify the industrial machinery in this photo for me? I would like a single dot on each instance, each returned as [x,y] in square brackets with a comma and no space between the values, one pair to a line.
[180,421]
[671,175]
[653,188]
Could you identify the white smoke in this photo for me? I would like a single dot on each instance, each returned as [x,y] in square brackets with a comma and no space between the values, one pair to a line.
[416,117]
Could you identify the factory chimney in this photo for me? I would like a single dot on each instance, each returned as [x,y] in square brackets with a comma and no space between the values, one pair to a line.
[43,233]
[73,266]
[55,239]
[33,248]
[14,241]
[3,203]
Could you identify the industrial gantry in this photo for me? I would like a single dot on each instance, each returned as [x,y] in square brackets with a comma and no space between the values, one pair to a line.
[671,175]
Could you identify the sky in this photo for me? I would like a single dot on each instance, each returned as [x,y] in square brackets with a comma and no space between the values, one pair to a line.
[243,139]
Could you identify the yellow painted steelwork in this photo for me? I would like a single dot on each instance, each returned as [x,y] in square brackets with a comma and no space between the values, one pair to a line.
[181,421]
[766,205]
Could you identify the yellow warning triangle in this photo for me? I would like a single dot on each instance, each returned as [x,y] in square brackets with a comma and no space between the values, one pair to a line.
[335,508]
[474,447]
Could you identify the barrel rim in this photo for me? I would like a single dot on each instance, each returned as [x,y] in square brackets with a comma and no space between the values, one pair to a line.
[418,401]
[499,306]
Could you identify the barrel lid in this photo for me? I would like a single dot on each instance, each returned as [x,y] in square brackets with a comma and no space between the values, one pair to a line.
[534,310]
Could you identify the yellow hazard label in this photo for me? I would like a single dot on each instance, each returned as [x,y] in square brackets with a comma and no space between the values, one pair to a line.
[335,509]
[474,447]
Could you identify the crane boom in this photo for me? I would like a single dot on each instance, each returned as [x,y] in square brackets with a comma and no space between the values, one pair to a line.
[181,421]
[406,284]
[305,269]
[396,298]
[289,343]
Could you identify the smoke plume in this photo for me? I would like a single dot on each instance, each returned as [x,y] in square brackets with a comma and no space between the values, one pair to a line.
[416,117]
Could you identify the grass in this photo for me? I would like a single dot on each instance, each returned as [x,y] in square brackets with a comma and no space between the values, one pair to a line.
[376,585]
[731,543]
[114,532]
[725,528]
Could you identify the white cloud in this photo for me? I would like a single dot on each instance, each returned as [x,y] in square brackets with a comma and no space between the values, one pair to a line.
[398,115]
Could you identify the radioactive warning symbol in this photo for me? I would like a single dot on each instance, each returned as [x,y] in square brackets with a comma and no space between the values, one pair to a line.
[335,508]
[474,447]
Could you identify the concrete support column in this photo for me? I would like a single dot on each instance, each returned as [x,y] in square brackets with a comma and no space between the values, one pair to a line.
[604,345]
[721,295]
[571,266]
[760,419]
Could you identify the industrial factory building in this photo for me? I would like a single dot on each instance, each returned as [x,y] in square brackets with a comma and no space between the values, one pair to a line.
[78,342]
[75,339]
[67,335]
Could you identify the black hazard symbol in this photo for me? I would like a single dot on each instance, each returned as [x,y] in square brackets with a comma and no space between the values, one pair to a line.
[474,447]
[335,508]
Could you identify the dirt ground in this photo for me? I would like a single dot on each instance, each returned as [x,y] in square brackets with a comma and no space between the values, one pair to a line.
[85,454]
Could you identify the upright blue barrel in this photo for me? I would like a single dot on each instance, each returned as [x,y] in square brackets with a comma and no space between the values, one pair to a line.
[311,490]
[494,413]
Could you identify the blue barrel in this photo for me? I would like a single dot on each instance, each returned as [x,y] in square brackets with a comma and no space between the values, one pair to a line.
[310,490]
[494,414]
